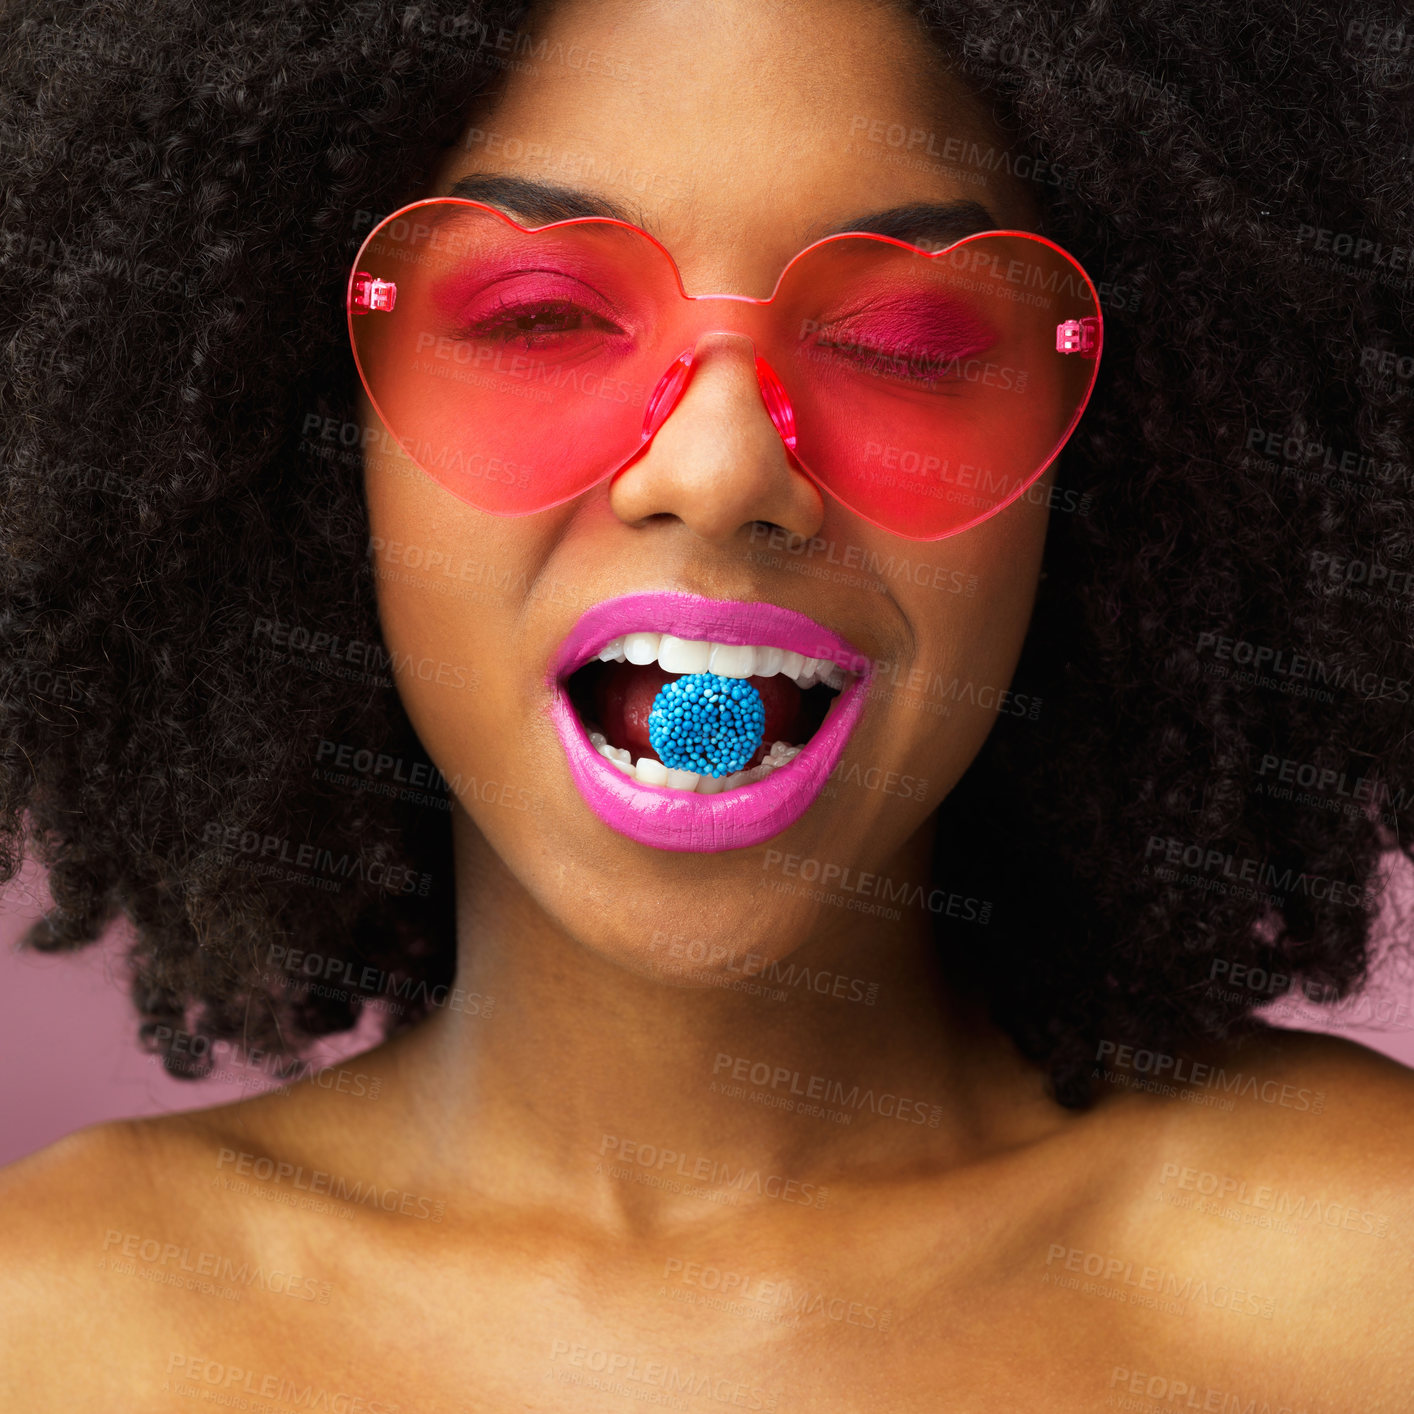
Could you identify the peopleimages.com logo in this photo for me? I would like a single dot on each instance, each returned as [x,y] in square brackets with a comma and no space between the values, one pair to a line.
[1203,1074]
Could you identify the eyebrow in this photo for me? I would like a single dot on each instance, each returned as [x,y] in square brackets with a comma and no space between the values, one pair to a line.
[919,221]
[542,202]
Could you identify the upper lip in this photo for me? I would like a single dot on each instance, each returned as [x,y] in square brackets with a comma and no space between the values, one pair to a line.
[684,615]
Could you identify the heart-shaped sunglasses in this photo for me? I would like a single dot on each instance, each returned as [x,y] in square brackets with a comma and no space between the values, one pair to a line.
[520,366]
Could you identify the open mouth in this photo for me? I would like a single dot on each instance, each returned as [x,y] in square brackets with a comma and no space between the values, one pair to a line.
[698,724]
[615,692]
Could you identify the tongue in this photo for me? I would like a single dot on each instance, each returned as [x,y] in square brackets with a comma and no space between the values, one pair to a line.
[624,698]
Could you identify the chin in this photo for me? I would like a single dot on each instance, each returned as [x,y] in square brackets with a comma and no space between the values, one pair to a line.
[696,942]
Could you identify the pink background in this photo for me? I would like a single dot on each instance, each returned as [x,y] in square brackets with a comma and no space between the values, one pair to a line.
[68,1038]
[68,1033]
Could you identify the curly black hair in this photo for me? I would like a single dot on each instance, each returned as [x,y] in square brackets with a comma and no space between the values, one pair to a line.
[188,622]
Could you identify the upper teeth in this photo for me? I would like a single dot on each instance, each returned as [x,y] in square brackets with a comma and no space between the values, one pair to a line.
[728,660]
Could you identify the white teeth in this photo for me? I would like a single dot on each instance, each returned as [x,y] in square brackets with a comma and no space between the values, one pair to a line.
[768,662]
[729,660]
[642,648]
[747,778]
[683,655]
[651,772]
[733,660]
[646,771]
[614,755]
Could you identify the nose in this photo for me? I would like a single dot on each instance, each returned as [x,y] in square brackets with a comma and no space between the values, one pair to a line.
[717,463]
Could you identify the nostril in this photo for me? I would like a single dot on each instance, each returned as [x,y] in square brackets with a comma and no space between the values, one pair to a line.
[773,394]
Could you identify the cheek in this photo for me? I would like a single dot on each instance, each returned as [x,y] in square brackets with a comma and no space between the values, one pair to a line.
[447,580]
[970,610]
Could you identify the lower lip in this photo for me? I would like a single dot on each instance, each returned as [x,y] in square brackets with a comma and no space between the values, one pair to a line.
[706,824]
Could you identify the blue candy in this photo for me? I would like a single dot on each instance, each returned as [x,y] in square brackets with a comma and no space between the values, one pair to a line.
[706,723]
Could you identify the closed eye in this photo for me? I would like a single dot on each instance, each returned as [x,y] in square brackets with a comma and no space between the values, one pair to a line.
[538,308]
[533,324]
[918,340]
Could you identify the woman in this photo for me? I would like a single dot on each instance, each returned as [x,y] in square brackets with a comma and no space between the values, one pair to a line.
[940,1086]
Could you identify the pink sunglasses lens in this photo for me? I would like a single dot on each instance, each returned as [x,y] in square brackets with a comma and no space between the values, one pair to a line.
[931,390]
[512,367]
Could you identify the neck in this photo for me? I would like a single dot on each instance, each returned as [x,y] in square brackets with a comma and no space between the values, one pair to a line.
[611,1092]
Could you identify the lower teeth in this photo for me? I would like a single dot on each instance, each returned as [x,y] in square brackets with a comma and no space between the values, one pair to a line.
[649,772]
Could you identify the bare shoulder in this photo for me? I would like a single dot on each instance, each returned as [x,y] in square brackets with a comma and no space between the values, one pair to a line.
[1317,1138]
[55,1200]
[1333,1109]
[115,1242]
[1330,1107]
[1274,1180]
[58,1208]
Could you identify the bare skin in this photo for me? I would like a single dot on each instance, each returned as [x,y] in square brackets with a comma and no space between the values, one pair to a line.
[498,1228]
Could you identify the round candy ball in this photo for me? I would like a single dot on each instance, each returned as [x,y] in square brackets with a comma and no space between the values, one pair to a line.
[706,723]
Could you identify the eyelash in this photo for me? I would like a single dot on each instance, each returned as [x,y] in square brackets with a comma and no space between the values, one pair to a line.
[912,365]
